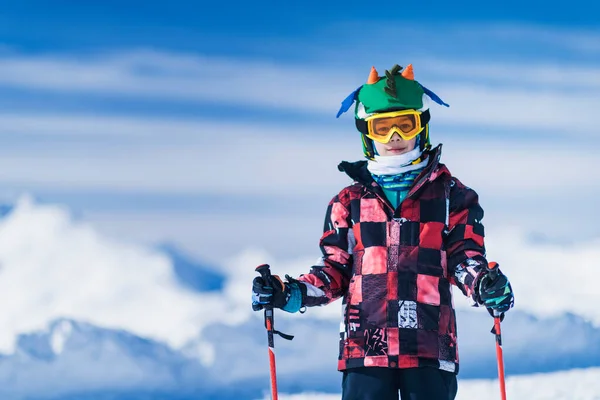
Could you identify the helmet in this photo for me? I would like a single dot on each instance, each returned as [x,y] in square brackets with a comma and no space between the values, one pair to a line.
[395,91]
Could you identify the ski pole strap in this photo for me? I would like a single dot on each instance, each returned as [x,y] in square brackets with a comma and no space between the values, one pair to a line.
[498,317]
[496,330]
[270,326]
[498,336]
[283,335]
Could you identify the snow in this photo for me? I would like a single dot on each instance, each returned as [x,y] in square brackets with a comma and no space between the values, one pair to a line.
[60,336]
[70,357]
[580,384]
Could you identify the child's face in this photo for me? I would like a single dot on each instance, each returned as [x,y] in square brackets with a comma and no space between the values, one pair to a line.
[395,146]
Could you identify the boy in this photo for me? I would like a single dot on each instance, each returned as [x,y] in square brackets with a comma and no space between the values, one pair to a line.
[394,242]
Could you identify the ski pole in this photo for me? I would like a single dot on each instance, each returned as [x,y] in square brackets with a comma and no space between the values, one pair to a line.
[493,273]
[265,273]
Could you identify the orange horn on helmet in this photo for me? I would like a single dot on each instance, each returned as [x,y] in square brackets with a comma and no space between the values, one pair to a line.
[373,76]
[408,72]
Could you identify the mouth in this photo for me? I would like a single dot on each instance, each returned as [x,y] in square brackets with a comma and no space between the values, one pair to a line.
[396,150]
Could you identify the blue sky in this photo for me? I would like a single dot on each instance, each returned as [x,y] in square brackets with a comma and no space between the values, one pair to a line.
[69,24]
[213,128]
[163,123]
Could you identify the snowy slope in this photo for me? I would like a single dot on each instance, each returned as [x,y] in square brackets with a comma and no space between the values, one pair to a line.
[581,384]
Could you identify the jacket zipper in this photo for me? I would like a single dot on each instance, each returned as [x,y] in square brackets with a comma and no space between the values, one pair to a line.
[385,201]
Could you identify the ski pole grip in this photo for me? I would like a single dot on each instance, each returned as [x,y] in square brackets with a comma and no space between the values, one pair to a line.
[264,271]
[492,269]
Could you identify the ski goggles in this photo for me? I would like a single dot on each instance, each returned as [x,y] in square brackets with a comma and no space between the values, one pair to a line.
[382,126]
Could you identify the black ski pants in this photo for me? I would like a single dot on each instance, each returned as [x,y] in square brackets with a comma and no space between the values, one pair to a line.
[375,383]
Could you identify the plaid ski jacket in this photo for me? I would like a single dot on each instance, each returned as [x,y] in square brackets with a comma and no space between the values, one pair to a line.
[394,268]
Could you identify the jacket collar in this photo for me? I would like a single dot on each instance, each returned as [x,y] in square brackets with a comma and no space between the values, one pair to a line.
[358,171]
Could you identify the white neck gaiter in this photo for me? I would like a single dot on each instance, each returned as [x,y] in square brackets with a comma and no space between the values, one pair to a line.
[394,165]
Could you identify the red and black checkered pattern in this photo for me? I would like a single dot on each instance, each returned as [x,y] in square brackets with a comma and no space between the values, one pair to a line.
[394,267]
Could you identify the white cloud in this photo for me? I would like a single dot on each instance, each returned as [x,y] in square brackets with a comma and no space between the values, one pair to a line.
[580,40]
[286,234]
[262,163]
[163,76]
[549,279]
[570,76]
[255,161]
[173,155]
[72,126]
[54,267]
[507,169]
[568,90]
[522,109]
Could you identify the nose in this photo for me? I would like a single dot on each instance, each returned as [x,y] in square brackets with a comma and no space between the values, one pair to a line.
[396,138]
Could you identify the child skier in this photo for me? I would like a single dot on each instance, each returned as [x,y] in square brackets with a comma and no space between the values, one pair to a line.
[394,242]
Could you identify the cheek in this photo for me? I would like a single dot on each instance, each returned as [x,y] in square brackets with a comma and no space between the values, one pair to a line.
[380,148]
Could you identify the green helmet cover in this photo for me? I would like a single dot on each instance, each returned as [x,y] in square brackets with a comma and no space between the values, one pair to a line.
[374,98]
[397,90]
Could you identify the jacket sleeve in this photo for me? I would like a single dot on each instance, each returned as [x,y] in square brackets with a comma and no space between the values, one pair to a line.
[465,248]
[329,278]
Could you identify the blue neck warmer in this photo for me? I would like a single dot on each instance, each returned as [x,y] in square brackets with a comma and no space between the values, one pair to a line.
[398,182]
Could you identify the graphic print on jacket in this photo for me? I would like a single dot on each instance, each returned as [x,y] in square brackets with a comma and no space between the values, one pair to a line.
[394,268]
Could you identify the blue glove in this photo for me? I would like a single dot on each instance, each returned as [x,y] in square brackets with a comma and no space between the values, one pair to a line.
[494,292]
[275,293]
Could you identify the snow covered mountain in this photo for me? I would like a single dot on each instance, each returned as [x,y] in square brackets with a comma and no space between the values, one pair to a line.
[190,273]
[71,357]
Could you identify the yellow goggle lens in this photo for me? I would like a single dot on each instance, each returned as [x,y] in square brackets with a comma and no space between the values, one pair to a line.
[382,126]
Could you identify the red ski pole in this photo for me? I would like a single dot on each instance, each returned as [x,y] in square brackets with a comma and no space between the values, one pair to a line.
[493,273]
[265,272]
[499,355]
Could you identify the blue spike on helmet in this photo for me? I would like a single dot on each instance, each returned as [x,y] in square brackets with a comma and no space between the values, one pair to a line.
[434,97]
[347,102]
